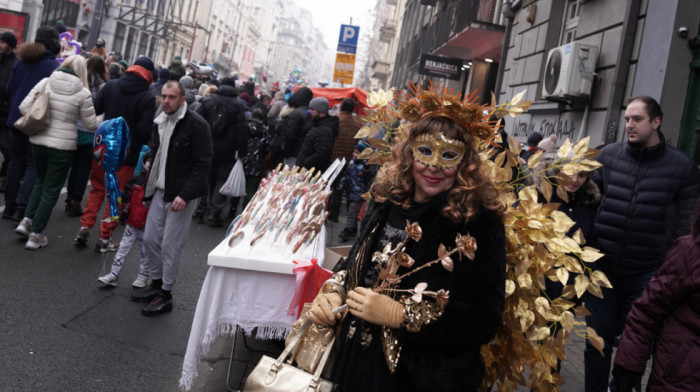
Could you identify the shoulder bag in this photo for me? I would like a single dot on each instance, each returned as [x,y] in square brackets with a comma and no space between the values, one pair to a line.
[274,375]
[37,117]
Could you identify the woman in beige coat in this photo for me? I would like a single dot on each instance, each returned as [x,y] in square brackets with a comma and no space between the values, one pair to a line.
[53,148]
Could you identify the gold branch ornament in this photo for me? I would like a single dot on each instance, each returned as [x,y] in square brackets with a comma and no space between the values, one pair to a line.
[535,329]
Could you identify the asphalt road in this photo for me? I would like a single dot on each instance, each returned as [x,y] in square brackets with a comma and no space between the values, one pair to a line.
[60,330]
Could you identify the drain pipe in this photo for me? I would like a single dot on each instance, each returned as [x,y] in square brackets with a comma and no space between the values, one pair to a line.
[619,82]
[509,9]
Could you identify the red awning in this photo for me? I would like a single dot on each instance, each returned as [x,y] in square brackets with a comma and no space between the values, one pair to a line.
[336,95]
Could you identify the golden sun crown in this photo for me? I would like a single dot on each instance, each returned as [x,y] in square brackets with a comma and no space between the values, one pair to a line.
[419,103]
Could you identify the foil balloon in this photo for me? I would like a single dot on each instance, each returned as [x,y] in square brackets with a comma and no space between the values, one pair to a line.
[109,148]
[68,46]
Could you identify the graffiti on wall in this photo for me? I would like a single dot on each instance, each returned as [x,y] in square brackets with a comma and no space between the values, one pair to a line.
[564,126]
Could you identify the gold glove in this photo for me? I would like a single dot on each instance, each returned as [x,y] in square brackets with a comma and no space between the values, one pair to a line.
[376,308]
[321,309]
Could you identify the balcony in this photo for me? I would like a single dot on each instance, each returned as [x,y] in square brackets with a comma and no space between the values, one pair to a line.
[387,32]
[381,70]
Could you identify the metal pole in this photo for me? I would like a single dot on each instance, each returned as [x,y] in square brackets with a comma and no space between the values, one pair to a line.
[509,14]
[95,26]
[194,35]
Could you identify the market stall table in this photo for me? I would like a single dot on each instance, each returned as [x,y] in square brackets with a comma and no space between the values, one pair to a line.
[247,290]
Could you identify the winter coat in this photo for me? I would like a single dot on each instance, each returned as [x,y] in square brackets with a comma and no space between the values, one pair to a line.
[34,64]
[667,318]
[647,197]
[6,63]
[69,101]
[258,147]
[188,161]
[177,70]
[296,124]
[318,143]
[348,125]
[356,179]
[130,98]
[445,354]
[235,136]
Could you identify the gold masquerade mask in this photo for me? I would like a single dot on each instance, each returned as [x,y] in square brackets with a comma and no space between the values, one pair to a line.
[439,151]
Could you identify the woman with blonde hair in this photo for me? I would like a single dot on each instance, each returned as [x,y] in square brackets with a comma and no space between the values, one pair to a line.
[53,148]
[412,324]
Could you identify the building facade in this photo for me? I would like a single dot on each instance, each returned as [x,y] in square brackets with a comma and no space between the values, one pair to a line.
[642,47]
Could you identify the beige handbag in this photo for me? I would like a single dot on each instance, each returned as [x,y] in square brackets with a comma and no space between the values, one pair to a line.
[37,117]
[273,375]
[313,344]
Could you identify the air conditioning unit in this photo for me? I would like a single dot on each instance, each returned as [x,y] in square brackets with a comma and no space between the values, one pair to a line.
[569,72]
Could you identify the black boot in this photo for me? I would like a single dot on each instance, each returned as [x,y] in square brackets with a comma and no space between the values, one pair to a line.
[149,292]
[162,303]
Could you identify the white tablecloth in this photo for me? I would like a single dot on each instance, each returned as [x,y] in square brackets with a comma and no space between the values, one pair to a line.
[246,298]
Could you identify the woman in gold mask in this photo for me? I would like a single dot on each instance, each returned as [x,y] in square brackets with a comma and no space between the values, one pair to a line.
[416,318]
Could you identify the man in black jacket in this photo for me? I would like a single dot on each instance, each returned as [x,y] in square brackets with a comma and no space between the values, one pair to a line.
[128,97]
[182,148]
[292,127]
[8,42]
[318,144]
[648,192]
[226,118]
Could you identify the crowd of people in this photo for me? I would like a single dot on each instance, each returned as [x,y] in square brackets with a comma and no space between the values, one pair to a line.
[188,130]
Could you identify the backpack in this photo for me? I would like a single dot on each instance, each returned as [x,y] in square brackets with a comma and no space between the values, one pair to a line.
[217,118]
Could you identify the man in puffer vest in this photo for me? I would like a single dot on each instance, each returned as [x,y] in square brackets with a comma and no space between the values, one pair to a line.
[648,192]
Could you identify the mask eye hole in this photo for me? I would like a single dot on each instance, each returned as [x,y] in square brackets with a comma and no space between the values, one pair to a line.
[450,155]
[425,150]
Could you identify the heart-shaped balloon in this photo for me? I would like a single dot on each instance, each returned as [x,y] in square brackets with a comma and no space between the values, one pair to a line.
[68,46]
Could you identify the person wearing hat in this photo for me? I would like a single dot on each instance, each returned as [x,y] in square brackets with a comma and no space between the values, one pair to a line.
[292,127]
[318,143]
[548,146]
[176,68]
[355,183]
[157,86]
[131,98]
[99,48]
[8,42]
[36,61]
[532,141]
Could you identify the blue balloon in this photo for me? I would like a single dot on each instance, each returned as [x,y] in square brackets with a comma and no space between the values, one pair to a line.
[110,147]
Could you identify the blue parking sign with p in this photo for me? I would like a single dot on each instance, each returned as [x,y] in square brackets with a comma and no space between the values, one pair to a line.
[347,42]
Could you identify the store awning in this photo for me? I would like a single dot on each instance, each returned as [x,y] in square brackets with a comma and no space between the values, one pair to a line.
[336,95]
[476,41]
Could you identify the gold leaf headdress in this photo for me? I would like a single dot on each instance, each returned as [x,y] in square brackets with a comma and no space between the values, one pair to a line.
[419,103]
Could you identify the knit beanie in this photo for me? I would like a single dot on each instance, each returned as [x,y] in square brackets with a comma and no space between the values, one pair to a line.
[187,81]
[244,96]
[549,146]
[534,139]
[228,82]
[319,104]
[145,62]
[163,74]
[48,36]
[9,38]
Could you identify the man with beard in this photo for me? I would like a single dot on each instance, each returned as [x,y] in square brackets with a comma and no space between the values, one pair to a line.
[318,144]
[648,192]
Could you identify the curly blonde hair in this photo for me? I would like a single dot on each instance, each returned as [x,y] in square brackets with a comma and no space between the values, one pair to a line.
[471,190]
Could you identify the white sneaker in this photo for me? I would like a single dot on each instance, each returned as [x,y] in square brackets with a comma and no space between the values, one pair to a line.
[141,281]
[24,228]
[36,241]
[109,280]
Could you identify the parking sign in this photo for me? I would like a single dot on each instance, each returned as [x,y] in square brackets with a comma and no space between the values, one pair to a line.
[347,42]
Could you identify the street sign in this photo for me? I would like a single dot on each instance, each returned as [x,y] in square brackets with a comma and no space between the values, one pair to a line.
[344,68]
[347,42]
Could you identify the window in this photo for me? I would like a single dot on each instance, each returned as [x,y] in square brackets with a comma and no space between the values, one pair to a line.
[573,7]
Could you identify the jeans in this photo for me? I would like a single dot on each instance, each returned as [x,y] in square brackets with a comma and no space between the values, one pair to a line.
[80,172]
[21,173]
[608,319]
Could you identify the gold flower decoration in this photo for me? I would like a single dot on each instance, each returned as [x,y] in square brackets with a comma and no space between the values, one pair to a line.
[430,101]
[410,111]
[466,245]
[414,231]
[404,260]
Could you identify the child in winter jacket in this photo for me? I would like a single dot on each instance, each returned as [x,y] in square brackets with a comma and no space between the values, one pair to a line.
[354,184]
[135,227]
